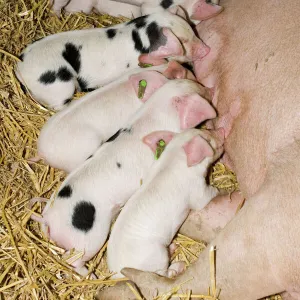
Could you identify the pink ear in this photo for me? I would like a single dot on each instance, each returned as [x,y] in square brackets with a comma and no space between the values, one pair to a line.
[154,81]
[175,71]
[147,59]
[202,10]
[172,47]
[196,150]
[193,109]
[153,138]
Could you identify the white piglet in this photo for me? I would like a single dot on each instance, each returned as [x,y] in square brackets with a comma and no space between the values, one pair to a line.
[53,67]
[90,197]
[175,184]
[74,134]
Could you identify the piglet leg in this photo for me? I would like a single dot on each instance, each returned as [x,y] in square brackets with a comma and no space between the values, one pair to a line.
[175,269]
[79,266]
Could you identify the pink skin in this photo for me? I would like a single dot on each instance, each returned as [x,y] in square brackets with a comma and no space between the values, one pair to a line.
[258,250]
[203,11]
[177,71]
[191,108]
[154,81]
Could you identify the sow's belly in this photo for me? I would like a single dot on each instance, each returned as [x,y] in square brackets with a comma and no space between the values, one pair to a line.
[253,64]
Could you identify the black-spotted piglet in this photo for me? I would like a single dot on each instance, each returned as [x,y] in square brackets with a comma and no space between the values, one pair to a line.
[53,67]
[90,197]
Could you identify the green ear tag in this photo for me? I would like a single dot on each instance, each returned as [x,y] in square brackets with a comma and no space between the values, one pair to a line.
[142,88]
[142,65]
[161,145]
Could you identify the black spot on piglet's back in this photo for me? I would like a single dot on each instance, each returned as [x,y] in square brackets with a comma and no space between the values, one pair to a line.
[21,56]
[166,3]
[138,45]
[111,33]
[72,55]
[65,192]
[47,77]
[156,38]
[64,74]
[139,22]
[83,216]
[113,137]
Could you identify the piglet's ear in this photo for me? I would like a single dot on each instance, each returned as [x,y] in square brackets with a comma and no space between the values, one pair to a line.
[175,71]
[193,109]
[179,11]
[196,150]
[172,46]
[202,10]
[154,80]
[147,59]
[153,138]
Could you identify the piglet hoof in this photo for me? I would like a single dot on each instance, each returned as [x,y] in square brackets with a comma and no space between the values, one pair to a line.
[175,269]
[35,200]
[84,272]
[34,159]
[172,248]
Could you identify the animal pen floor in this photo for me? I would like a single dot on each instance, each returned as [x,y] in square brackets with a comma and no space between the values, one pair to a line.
[31,267]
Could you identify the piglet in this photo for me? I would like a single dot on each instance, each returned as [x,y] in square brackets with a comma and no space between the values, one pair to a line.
[73,134]
[175,184]
[53,67]
[103,6]
[91,196]
[197,10]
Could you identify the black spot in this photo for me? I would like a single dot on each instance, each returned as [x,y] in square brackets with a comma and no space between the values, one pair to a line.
[90,157]
[166,3]
[113,137]
[119,165]
[156,38]
[139,22]
[111,33]
[23,88]
[82,83]
[128,130]
[128,65]
[67,101]
[22,57]
[188,66]
[88,90]
[64,74]
[72,55]
[138,45]
[65,192]
[47,77]
[83,216]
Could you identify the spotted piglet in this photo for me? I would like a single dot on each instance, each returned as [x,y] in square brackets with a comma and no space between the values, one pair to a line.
[85,59]
[73,134]
[91,196]
[197,10]
[175,184]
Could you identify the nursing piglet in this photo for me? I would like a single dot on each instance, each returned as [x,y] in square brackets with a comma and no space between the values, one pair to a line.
[74,134]
[91,196]
[175,184]
[197,10]
[53,67]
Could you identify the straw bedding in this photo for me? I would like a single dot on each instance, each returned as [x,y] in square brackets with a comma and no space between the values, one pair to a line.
[30,266]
